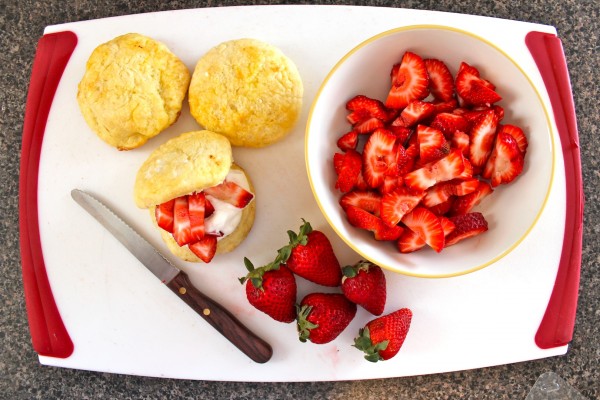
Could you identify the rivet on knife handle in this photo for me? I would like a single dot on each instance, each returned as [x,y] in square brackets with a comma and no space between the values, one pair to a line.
[221,319]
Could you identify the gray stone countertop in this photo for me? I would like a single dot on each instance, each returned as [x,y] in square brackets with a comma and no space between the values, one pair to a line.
[21,375]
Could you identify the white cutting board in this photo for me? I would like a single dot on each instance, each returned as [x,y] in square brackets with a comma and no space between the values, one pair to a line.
[122,320]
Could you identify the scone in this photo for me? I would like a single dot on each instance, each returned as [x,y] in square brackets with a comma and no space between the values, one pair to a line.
[132,89]
[247,90]
[200,200]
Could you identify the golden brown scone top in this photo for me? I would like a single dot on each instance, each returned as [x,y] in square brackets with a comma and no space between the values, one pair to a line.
[133,89]
[247,90]
[187,163]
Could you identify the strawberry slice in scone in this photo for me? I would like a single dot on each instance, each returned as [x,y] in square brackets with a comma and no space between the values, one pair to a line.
[164,215]
[230,192]
[182,232]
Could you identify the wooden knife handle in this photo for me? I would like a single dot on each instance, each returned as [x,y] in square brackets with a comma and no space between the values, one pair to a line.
[221,319]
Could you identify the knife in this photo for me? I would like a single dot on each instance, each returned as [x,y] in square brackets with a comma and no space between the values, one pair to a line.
[176,280]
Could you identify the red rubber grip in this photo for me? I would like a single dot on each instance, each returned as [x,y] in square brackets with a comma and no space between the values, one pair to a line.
[558,323]
[48,333]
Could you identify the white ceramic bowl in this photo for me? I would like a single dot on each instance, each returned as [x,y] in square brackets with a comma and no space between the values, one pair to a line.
[511,211]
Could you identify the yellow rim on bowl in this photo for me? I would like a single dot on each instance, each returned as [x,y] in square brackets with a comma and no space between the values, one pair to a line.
[548,122]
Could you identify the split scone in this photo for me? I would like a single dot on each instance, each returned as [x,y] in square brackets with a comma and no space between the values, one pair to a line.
[202,202]
[132,89]
[247,90]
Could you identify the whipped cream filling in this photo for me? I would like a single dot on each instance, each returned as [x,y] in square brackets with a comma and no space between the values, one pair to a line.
[226,217]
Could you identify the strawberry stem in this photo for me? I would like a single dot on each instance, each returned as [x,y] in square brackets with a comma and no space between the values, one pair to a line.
[300,238]
[363,342]
[350,271]
[304,326]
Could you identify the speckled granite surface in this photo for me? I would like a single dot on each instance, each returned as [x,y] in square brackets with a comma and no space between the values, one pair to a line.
[22,377]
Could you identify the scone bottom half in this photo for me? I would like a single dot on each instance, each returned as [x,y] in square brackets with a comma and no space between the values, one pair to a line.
[202,203]
[132,89]
[248,90]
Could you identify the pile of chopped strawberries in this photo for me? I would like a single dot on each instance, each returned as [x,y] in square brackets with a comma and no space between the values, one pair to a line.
[184,217]
[412,168]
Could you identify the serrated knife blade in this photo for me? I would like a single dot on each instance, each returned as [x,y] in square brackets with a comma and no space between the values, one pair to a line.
[176,280]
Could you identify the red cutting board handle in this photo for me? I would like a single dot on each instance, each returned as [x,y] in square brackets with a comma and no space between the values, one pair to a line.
[48,333]
[558,323]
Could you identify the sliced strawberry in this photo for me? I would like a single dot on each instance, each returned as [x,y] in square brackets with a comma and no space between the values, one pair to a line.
[391,183]
[444,106]
[164,215]
[402,133]
[447,225]
[371,107]
[442,208]
[182,232]
[386,232]
[449,123]
[348,141]
[358,116]
[441,192]
[196,207]
[466,226]
[349,171]
[505,162]
[441,82]
[230,192]
[432,144]
[395,205]
[438,194]
[468,171]
[482,139]
[369,125]
[367,200]
[365,220]
[379,155]
[449,167]
[405,159]
[416,111]
[410,241]
[427,225]
[464,187]
[518,134]
[461,141]
[473,89]
[481,94]
[499,111]
[205,248]
[209,209]
[464,204]
[409,82]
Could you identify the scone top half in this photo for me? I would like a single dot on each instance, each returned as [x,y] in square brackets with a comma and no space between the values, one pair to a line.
[188,163]
[181,179]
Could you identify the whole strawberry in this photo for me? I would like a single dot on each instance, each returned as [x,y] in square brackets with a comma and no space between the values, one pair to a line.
[310,255]
[323,316]
[364,284]
[382,338]
[272,290]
